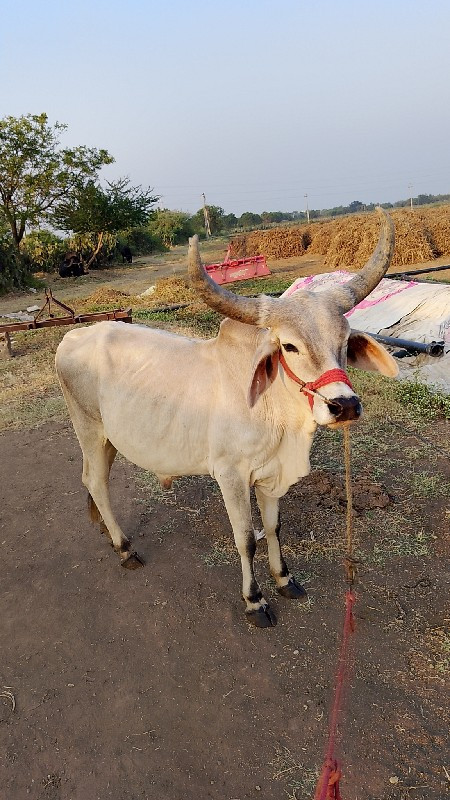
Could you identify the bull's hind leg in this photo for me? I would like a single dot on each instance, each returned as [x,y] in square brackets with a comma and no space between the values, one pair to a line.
[236,495]
[287,586]
[98,456]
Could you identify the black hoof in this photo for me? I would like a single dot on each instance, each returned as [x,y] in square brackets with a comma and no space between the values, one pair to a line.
[132,561]
[292,590]
[262,617]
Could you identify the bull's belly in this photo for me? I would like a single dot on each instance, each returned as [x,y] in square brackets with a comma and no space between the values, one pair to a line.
[172,449]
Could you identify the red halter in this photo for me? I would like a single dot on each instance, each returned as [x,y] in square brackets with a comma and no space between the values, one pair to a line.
[331,376]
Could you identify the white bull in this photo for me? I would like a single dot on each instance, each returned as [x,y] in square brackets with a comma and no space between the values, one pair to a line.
[228,407]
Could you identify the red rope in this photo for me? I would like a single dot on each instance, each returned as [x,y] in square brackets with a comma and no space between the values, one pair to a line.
[331,376]
[328,784]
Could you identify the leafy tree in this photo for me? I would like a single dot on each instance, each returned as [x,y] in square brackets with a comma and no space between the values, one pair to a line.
[171,227]
[276,216]
[248,219]
[91,209]
[216,215]
[141,241]
[229,221]
[7,261]
[36,173]
[355,206]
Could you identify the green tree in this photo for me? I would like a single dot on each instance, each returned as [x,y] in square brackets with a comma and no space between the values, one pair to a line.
[229,221]
[248,219]
[355,206]
[216,216]
[7,260]
[171,227]
[94,210]
[36,173]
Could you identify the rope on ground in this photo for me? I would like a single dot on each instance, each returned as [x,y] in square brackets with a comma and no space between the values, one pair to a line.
[328,784]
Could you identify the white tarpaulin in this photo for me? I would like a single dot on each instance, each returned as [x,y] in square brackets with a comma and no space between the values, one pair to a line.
[410,310]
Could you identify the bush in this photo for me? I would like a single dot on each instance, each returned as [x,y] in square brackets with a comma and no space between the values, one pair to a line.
[85,243]
[141,241]
[7,265]
[43,251]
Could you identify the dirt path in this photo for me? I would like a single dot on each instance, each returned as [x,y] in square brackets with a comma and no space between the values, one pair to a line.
[150,684]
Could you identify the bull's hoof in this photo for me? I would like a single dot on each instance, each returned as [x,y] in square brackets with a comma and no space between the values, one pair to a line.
[262,617]
[292,590]
[132,560]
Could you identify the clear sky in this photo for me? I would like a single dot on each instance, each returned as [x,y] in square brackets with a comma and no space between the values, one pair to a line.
[255,103]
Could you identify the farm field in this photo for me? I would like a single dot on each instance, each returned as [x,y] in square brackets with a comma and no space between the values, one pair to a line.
[150,683]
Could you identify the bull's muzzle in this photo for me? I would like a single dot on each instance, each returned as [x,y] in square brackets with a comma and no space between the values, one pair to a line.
[345,409]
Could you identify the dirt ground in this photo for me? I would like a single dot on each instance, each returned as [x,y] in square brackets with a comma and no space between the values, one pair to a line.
[142,274]
[150,684]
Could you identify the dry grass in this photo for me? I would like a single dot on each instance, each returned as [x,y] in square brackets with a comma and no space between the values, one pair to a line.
[421,235]
[29,389]
[172,290]
[167,291]
[104,299]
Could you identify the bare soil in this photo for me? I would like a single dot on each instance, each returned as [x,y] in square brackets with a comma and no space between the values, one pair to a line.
[150,684]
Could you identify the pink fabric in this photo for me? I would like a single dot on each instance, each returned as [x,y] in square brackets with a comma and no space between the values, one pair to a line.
[366,303]
[341,277]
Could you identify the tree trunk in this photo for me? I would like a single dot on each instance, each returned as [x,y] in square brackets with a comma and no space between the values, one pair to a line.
[96,251]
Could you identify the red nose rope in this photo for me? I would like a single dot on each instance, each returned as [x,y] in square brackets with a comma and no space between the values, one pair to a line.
[310,388]
[328,784]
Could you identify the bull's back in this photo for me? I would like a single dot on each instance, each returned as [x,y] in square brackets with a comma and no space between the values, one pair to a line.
[152,392]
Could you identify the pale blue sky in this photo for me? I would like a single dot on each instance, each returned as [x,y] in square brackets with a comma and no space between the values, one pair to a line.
[254,103]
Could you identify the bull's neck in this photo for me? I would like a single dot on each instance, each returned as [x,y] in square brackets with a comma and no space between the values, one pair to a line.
[288,407]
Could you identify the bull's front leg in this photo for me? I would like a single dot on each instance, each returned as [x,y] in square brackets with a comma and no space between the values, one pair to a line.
[287,586]
[236,495]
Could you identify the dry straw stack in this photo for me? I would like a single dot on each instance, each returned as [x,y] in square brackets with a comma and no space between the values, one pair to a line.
[437,221]
[275,243]
[167,291]
[421,235]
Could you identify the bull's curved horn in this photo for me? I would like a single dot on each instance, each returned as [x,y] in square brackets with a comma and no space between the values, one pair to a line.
[376,267]
[243,309]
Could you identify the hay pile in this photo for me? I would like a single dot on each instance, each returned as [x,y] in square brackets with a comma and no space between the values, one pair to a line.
[167,291]
[170,290]
[412,243]
[421,235]
[321,236]
[104,299]
[276,243]
[437,222]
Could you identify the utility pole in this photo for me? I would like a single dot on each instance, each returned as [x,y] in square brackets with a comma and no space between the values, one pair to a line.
[206,216]
[307,209]
[410,187]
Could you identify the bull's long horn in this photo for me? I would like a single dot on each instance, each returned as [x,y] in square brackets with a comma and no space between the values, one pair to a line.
[376,267]
[243,309]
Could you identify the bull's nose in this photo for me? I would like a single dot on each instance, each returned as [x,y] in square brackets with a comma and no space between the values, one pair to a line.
[345,408]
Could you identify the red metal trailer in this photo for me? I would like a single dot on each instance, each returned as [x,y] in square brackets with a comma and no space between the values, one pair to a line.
[238,269]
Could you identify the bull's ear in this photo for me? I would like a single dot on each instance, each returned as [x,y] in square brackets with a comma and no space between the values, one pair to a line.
[363,352]
[265,372]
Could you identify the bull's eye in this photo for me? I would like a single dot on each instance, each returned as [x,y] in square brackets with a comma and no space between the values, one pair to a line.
[290,348]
